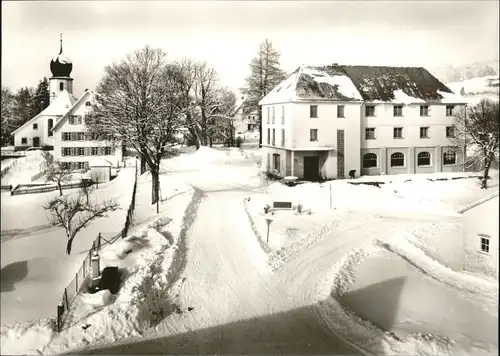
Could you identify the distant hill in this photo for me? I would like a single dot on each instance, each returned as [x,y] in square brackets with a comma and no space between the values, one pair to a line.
[449,74]
[475,89]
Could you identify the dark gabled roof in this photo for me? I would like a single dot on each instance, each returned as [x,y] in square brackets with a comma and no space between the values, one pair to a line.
[379,83]
[360,83]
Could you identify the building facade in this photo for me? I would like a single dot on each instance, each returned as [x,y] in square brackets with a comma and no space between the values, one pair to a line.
[480,235]
[61,126]
[322,122]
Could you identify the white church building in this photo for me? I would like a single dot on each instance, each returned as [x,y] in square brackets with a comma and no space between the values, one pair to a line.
[61,126]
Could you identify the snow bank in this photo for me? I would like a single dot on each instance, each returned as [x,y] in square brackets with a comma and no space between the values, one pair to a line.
[362,333]
[131,313]
[202,157]
[472,286]
[26,338]
[144,260]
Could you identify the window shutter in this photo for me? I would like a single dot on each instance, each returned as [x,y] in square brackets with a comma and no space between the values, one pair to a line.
[113,150]
[62,152]
[87,151]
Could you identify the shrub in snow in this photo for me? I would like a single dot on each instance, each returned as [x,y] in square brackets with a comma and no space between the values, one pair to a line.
[266,208]
[299,208]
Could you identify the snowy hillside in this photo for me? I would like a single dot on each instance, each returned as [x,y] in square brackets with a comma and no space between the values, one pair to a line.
[475,89]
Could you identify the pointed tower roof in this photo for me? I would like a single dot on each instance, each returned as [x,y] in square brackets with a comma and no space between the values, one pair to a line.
[61,66]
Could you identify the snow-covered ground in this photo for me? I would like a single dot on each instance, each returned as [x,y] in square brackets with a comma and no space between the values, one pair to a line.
[476,89]
[229,301]
[25,168]
[33,254]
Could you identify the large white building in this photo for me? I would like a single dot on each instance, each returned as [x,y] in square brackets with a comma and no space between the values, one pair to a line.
[322,122]
[61,125]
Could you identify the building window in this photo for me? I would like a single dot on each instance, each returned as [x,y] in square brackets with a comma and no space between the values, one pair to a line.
[370,133]
[107,151]
[75,119]
[35,126]
[397,159]
[79,151]
[94,151]
[274,112]
[369,160]
[424,132]
[66,151]
[313,111]
[274,137]
[424,159]
[449,157]
[340,110]
[268,114]
[268,136]
[276,162]
[283,114]
[450,131]
[61,86]
[66,136]
[398,132]
[50,125]
[484,242]
[450,110]
[24,140]
[313,134]
[282,137]
[370,110]
[424,110]
[398,110]
[88,103]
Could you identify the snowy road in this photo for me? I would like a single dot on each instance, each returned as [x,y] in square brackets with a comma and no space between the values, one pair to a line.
[231,302]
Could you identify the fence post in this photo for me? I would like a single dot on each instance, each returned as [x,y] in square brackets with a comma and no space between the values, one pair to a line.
[99,242]
[60,311]
[76,280]
[66,298]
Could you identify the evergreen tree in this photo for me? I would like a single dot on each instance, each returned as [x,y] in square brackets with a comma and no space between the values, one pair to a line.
[41,97]
[265,74]
[7,124]
[23,106]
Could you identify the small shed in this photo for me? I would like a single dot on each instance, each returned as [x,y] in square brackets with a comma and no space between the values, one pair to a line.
[480,235]
[100,170]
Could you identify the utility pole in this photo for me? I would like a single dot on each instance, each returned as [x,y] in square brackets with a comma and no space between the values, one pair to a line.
[465,136]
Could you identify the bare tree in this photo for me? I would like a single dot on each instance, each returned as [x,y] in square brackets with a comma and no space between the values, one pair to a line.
[72,214]
[476,128]
[87,189]
[58,172]
[265,74]
[139,100]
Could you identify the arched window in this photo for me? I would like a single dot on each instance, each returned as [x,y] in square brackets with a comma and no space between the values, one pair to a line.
[449,157]
[50,124]
[369,160]
[397,159]
[88,103]
[61,86]
[424,159]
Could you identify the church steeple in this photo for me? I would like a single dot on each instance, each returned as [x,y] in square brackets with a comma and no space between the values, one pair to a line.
[61,68]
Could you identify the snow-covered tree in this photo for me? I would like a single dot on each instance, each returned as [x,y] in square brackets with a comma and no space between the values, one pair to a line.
[23,106]
[73,214]
[7,124]
[265,74]
[41,96]
[477,129]
[139,100]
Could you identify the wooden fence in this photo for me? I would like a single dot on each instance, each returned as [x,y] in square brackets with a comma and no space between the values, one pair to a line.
[84,273]
[18,190]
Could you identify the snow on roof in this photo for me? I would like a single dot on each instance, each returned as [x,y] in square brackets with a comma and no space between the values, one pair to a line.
[59,107]
[478,202]
[356,83]
[65,116]
[99,162]
[403,98]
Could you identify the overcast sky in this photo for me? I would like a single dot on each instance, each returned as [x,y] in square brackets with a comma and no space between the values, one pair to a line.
[226,34]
